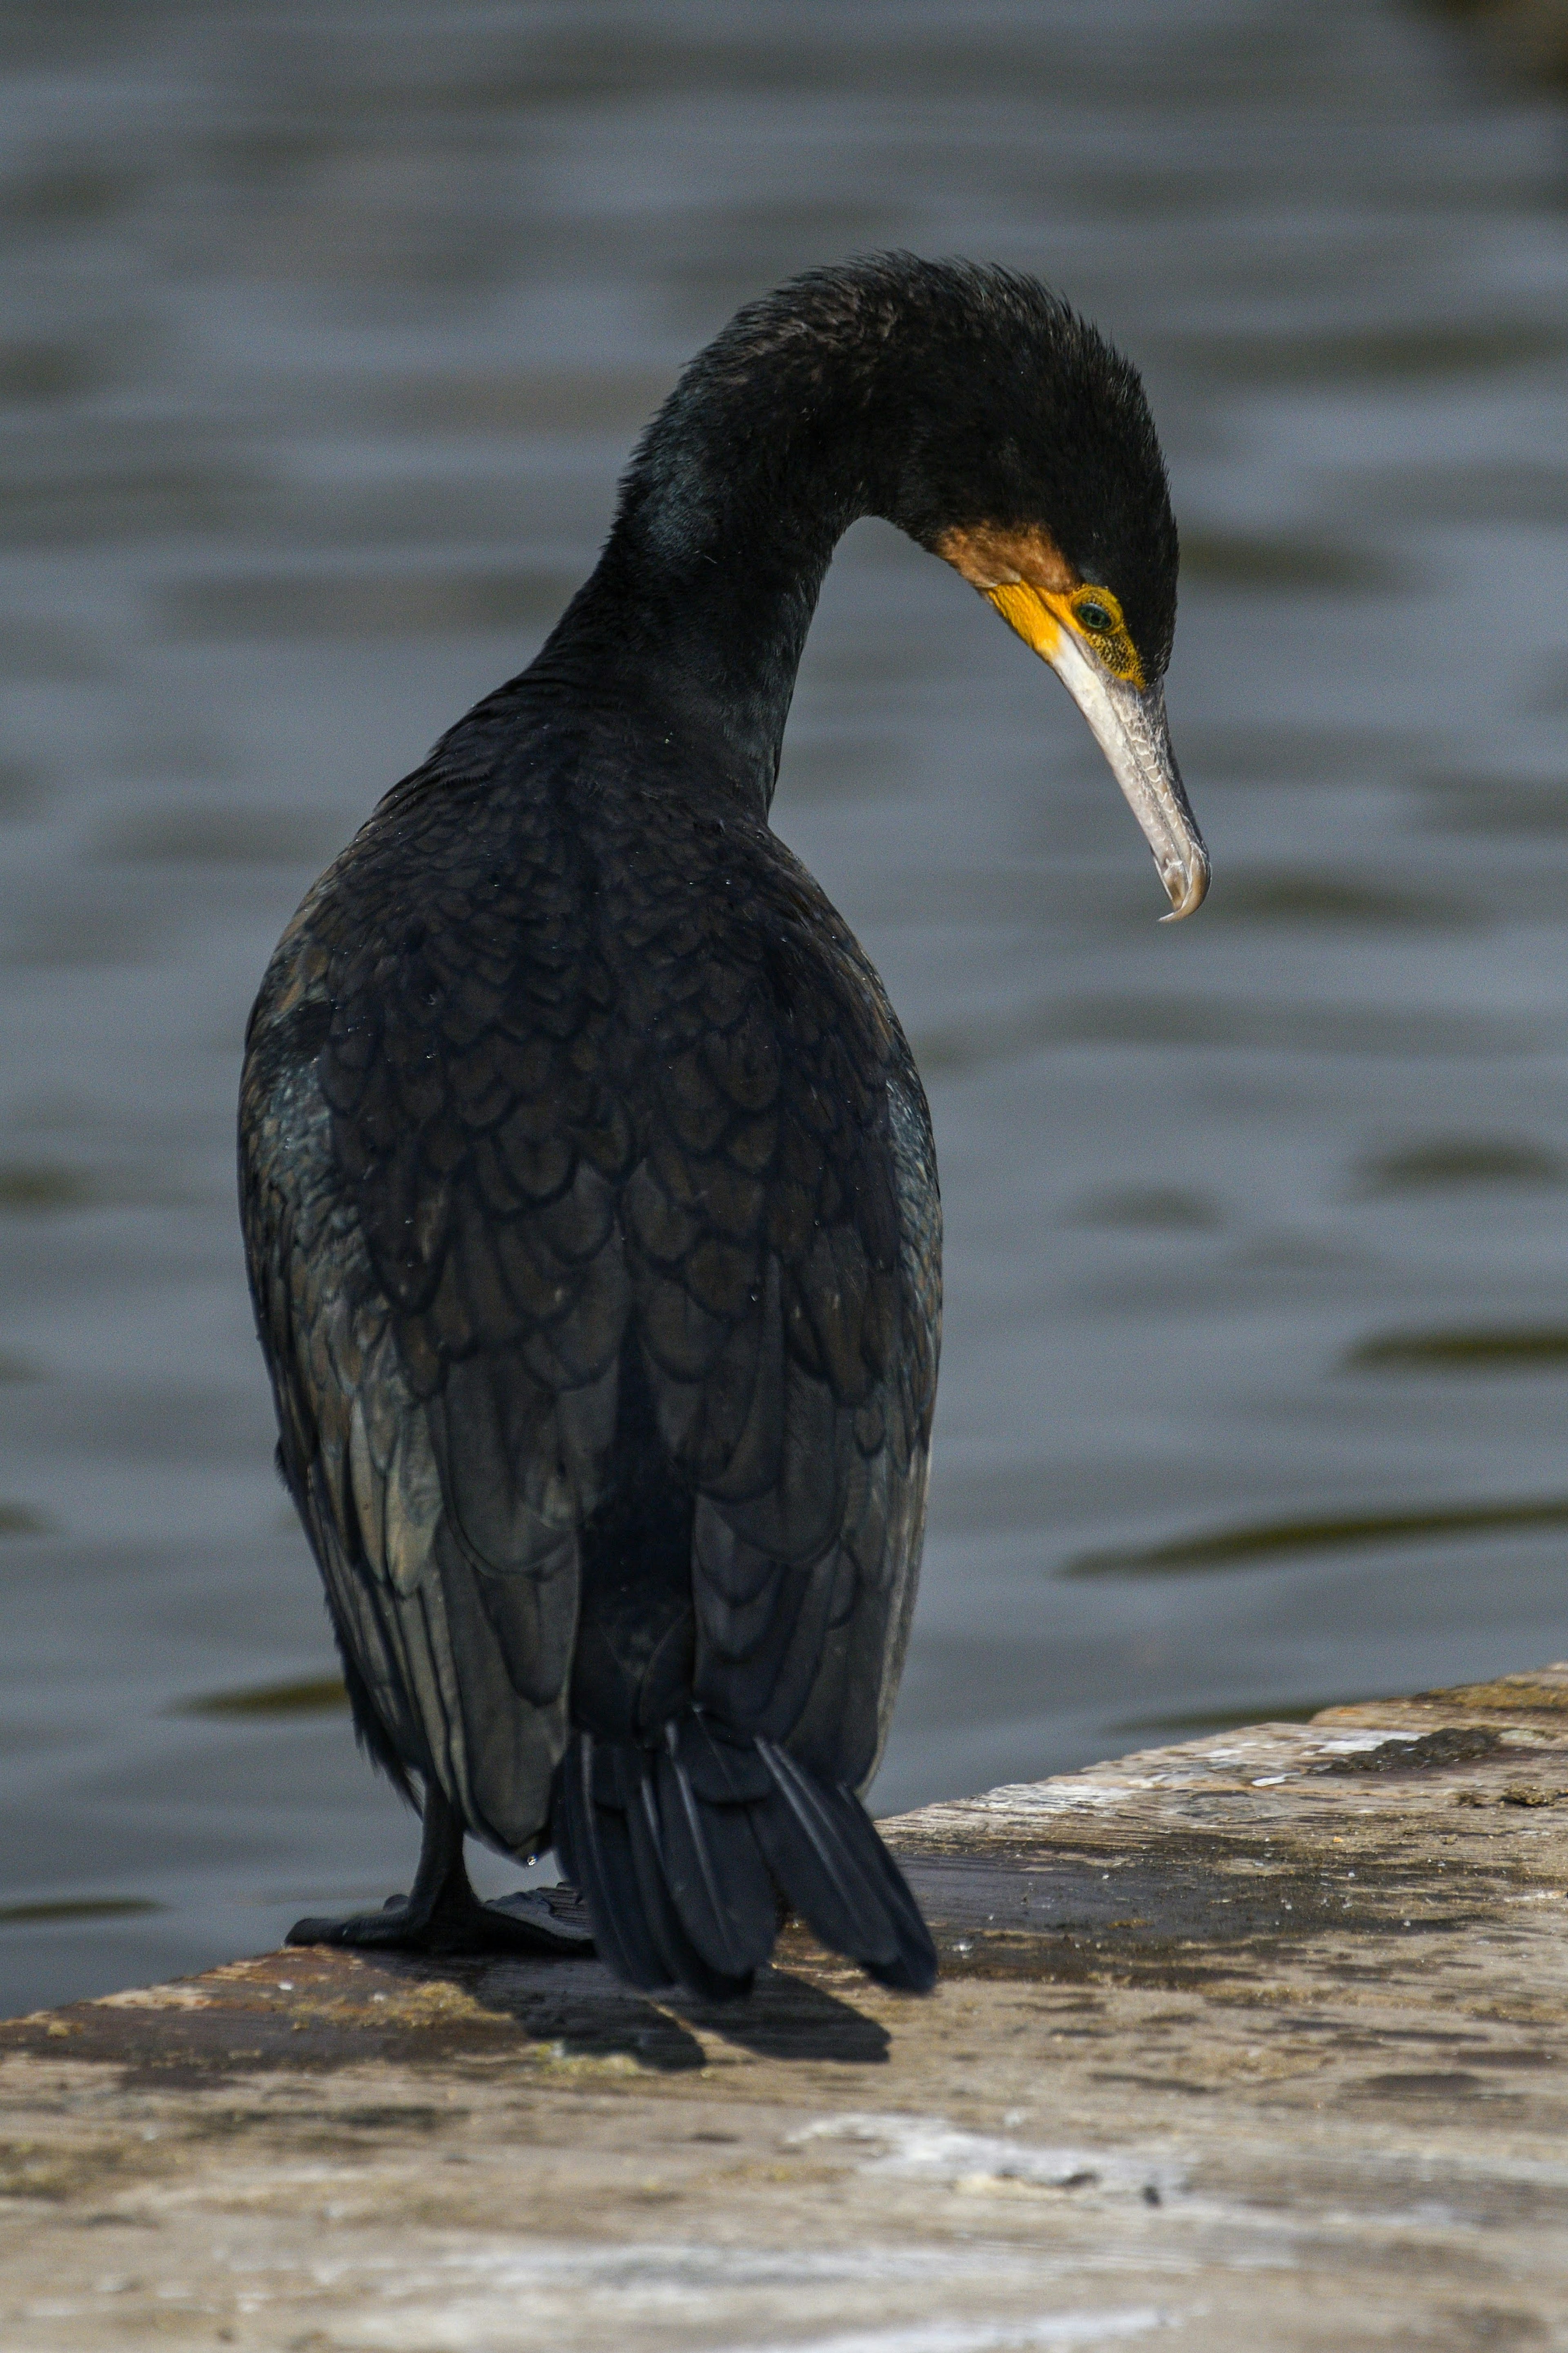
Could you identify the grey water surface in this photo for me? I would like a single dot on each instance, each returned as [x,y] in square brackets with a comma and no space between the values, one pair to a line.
[326,329]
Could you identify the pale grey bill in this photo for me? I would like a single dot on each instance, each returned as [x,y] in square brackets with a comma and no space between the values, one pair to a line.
[1128,723]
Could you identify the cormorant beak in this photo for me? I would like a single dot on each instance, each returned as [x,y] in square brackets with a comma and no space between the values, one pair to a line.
[1128,723]
[1126,717]
[1079,627]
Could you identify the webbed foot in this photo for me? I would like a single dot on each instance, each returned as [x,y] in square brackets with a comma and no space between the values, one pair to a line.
[443,1915]
[534,1920]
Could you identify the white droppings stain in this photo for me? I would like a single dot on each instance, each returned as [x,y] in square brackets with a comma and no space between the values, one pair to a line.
[930,2148]
[1064,2328]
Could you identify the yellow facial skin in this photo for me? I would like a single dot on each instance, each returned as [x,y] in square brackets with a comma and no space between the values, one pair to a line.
[1079,627]
[1040,616]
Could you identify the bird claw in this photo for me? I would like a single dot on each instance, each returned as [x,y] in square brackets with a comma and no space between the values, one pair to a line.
[556,1916]
[535,1921]
[393,1926]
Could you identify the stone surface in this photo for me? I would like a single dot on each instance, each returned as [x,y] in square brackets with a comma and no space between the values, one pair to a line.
[1253,2044]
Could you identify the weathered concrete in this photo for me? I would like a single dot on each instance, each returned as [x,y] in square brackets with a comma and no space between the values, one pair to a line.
[1259,2040]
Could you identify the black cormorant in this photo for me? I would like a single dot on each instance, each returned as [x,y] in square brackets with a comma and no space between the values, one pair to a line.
[587,1180]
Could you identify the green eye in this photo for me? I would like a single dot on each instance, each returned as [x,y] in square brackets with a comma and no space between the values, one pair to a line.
[1091,616]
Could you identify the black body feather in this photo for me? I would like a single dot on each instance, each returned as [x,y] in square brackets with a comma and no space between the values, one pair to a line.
[588,1185]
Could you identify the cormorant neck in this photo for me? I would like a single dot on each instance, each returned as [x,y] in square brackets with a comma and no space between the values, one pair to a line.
[694,621]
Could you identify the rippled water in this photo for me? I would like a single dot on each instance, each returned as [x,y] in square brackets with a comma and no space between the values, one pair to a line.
[326,328]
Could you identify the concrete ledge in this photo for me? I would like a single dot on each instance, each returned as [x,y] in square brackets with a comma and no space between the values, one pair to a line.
[1256,2042]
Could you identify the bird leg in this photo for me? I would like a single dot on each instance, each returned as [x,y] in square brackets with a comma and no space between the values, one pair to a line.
[442,1914]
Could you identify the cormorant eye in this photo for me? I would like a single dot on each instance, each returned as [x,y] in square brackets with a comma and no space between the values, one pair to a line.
[1094,617]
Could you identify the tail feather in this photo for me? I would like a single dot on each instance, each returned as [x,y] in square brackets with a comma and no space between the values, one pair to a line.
[717,1875]
[825,1853]
[594,1847]
[803,1834]
[682,1963]
[683,1853]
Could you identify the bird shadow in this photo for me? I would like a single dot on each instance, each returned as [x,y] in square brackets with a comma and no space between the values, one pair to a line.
[787,2018]
[578,2008]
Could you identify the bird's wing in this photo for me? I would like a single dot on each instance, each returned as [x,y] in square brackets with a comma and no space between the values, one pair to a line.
[782,1231]
[441,1290]
[456,1227]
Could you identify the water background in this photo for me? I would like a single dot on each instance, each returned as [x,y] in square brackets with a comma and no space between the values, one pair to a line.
[326,328]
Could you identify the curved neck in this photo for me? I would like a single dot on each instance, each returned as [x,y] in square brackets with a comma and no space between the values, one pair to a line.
[695,616]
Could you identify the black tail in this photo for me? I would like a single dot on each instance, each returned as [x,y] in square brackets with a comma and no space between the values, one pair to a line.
[684,1851]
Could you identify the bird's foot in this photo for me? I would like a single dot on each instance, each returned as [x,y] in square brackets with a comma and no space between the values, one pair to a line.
[536,1921]
[399,1927]
[443,1915]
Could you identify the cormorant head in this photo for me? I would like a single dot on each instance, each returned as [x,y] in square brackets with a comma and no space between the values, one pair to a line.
[1029,461]
[975,409]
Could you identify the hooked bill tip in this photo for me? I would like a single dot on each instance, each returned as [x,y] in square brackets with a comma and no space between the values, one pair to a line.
[1187,887]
